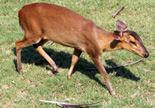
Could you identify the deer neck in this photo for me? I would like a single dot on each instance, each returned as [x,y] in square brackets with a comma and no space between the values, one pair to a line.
[107,41]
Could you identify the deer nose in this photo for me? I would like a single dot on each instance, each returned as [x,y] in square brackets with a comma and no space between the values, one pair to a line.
[146,55]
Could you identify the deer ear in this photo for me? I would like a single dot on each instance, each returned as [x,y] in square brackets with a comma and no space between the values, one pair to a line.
[121,26]
[117,35]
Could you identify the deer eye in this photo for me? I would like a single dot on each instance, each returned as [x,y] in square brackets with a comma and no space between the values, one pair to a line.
[132,42]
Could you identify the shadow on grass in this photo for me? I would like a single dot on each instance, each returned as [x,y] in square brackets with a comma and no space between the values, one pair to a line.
[121,72]
[29,55]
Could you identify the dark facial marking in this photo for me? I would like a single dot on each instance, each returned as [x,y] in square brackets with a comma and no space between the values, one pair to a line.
[134,34]
[114,43]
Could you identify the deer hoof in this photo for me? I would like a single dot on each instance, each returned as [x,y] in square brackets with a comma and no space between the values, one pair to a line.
[69,77]
[56,72]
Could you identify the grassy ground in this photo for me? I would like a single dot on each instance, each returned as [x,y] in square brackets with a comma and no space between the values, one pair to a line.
[133,84]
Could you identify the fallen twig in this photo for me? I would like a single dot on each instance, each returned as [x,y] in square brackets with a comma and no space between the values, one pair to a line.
[119,66]
[50,43]
[117,11]
[68,105]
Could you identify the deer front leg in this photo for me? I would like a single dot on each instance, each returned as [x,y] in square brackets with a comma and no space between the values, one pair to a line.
[75,58]
[103,72]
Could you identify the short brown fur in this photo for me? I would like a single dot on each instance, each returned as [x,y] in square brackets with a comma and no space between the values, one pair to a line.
[42,22]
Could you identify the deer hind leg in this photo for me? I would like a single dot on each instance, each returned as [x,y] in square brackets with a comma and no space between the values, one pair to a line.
[39,48]
[75,58]
[24,42]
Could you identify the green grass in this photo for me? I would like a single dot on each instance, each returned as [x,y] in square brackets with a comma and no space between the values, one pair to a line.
[133,84]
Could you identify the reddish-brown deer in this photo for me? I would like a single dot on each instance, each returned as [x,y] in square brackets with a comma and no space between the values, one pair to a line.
[42,22]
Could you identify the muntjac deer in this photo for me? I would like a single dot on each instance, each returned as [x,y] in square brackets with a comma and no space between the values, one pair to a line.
[42,22]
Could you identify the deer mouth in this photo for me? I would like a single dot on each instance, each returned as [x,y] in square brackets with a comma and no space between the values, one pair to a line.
[146,55]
